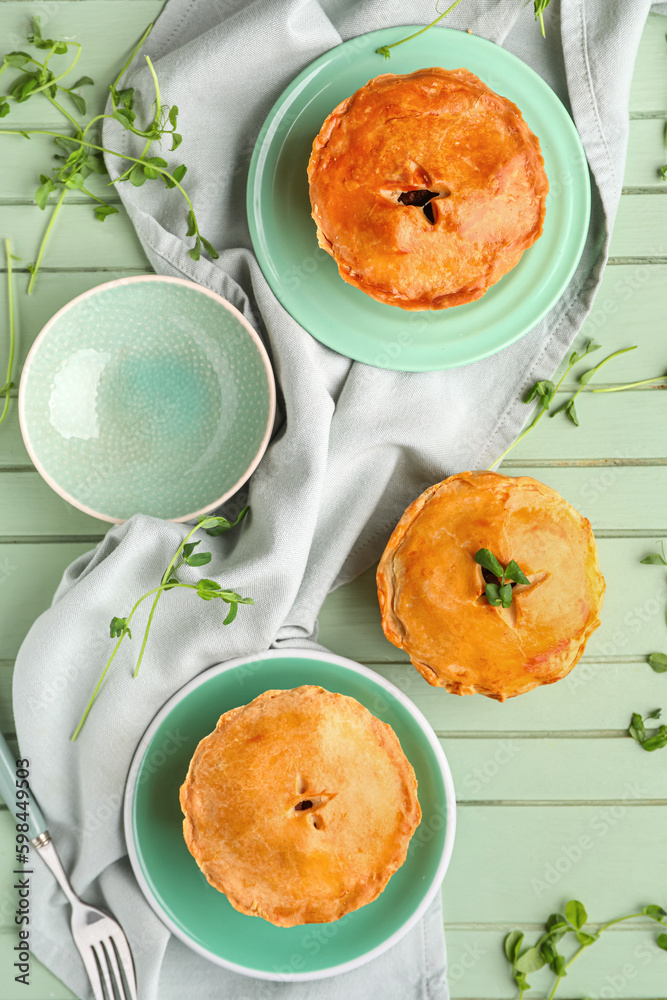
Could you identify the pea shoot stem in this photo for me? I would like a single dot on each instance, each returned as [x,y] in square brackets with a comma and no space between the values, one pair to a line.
[384,50]
[12,331]
[632,385]
[42,246]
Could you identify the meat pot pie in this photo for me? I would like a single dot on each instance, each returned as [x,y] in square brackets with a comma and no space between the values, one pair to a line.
[300,806]
[432,592]
[426,188]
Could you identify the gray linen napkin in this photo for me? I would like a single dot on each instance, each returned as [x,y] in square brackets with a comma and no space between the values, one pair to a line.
[353,446]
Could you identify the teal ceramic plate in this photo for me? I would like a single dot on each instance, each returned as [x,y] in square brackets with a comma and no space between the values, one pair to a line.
[201,916]
[306,279]
[147,395]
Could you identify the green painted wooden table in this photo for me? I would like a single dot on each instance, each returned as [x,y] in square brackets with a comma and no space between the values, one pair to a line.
[554,800]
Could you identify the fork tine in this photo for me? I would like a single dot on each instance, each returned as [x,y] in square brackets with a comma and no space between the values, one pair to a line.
[104,969]
[88,956]
[112,959]
[125,955]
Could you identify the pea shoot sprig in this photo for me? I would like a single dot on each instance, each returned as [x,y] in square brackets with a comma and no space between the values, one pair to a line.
[8,386]
[208,590]
[78,151]
[544,391]
[384,49]
[539,6]
[500,594]
[545,950]
[656,740]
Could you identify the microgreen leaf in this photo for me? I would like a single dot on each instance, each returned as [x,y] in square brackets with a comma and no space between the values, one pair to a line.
[195,253]
[102,211]
[636,729]
[655,559]
[83,81]
[654,911]
[544,390]
[79,102]
[384,51]
[199,559]
[192,225]
[655,714]
[532,960]
[486,558]
[557,926]
[548,953]
[231,614]
[173,115]
[137,175]
[657,741]
[513,945]
[506,595]
[514,572]
[658,662]
[176,140]
[4,107]
[221,524]
[209,248]
[575,913]
[17,59]
[118,628]
[661,941]
[492,591]
[43,191]
[584,938]
[558,966]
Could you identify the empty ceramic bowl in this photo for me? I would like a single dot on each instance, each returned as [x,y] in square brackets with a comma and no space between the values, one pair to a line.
[147,395]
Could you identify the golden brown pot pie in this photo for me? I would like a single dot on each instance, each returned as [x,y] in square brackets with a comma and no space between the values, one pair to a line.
[300,806]
[426,188]
[432,592]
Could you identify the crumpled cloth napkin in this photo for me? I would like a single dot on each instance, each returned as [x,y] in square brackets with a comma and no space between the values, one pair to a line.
[353,446]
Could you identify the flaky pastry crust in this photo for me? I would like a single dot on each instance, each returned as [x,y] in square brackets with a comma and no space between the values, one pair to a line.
[443,133]
[431,590]
[300,806]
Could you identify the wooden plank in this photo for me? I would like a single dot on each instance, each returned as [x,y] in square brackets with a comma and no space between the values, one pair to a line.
[510,881]
[647,152]
[625,963]
[618,498]
[640,229]
[107,32]
[76,241]
[623,426]
[29,575]
[28,501]
[648,92]
[633,619]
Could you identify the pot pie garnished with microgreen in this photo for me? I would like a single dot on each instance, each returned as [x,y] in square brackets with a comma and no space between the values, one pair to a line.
[426,188]
[300,806]
[491,584]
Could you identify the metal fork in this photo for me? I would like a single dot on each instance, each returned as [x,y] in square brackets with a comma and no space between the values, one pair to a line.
[100,939]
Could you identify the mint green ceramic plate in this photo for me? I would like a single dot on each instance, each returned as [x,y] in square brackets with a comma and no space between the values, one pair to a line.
[201,916]
[147,395]
[305,278]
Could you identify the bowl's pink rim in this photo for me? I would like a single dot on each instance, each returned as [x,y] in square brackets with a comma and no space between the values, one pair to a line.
[127,281]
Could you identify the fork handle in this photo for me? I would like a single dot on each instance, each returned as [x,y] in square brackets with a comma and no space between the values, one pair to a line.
[49,856]
[9,791]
